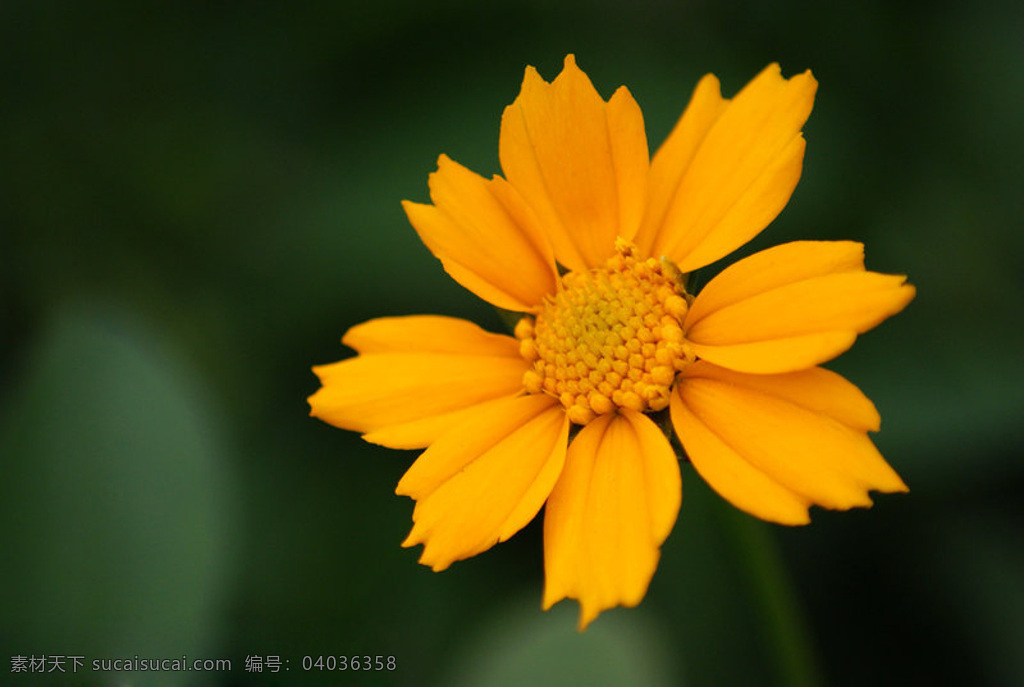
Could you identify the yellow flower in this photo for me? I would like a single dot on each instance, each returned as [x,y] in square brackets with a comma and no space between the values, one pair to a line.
[613,337]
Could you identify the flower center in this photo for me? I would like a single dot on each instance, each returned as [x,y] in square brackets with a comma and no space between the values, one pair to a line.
[609,338]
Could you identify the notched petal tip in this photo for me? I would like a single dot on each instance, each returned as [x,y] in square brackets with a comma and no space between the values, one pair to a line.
[579,162]
[774,445]
[745,161]
[413,377]
[808,77]
[791,307]
[587,616]
[484,480]
[908,293]
[803,83]
[588,612]
[485,236]
[609,513]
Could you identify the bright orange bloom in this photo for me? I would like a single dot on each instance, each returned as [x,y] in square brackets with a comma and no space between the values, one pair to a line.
[614,337]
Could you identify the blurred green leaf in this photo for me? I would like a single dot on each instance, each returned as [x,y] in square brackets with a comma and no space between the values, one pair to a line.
[519,645]
[115,500]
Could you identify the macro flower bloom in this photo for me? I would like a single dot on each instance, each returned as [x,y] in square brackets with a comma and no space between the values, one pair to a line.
[589,241]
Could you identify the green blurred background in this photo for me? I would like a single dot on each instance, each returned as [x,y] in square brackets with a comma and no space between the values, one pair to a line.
[198,199]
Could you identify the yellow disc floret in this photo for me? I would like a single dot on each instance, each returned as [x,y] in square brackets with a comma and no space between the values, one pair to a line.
[610,338]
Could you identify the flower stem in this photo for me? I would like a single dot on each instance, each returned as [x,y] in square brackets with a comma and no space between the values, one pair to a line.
[786,630]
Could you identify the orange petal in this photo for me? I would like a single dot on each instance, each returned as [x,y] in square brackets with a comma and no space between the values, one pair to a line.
[816,389]
[612,508]
[748,160]
[428,334]
[791,307]
[417,374]
[483,481]
[422,432]
[579,162]
[778,355]
[774,444]
[669,165]
[783,264]
[485,236]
